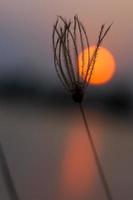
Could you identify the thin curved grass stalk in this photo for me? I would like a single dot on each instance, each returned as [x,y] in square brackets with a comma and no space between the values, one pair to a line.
[7,176]
[96,158]
[74,34]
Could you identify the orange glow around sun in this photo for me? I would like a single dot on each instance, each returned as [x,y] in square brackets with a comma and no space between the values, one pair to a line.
[104,67]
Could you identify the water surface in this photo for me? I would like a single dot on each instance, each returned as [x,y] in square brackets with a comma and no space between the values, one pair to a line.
[49,156]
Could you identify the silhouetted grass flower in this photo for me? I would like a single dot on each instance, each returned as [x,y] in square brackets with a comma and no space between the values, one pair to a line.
[70,39]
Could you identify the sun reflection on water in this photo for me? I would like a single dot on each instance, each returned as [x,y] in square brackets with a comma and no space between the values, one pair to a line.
[78,167]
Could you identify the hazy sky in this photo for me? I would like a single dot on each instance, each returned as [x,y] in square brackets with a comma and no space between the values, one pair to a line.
[26,28]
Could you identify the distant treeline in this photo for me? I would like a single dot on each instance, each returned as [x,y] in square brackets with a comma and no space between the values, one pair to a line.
[116,98]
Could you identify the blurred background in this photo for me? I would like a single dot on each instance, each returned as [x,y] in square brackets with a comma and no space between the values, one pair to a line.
[41,130]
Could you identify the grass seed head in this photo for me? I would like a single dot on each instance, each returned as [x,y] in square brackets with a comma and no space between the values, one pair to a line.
[70,39]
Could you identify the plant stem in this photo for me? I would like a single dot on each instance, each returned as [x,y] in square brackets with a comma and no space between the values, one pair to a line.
[98,164]
[7,176]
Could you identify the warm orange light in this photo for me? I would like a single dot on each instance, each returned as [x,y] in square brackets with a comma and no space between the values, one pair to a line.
[104,66]
[77,165]
[77,169]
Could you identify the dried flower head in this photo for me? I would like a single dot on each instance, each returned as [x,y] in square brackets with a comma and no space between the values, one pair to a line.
[70,39]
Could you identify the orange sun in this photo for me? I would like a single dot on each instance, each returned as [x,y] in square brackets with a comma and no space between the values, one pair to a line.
[104,67]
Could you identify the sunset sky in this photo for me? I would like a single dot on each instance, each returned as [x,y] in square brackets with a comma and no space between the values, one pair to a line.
[26,28]
[42,132]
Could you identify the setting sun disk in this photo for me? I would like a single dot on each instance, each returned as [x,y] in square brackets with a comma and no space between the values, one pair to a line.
[104,67]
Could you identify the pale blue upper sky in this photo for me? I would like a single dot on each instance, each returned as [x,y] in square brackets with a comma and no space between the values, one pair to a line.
[26,28]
